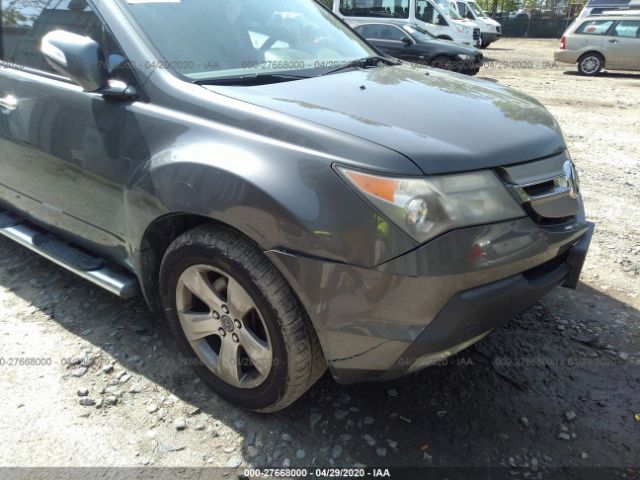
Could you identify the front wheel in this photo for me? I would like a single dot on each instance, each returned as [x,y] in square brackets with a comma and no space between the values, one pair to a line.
[236,319]
[443,62]
[590,64]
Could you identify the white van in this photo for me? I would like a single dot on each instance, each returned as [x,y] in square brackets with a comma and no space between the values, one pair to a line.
[490,30]
[444,23]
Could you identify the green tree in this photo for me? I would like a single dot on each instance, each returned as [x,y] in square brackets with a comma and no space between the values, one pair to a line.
[19,12]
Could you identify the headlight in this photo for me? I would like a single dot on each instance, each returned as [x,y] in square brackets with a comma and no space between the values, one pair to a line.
[466,58]
[426,207]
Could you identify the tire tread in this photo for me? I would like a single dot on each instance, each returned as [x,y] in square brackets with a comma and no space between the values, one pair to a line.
[306,362]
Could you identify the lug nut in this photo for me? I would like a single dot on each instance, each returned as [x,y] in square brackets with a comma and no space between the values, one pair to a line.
[222,332]
[216,316]
[225,309]
[237,323]
[235,338]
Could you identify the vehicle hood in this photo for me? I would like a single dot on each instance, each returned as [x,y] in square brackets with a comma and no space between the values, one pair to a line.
[443,122]
[490,21]
[447,46]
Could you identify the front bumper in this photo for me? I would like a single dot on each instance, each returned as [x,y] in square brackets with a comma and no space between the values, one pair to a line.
[489,37]
[377,324]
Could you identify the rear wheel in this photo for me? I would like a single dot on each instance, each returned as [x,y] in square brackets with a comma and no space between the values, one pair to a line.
[238,321]
[590,64]
[443,62]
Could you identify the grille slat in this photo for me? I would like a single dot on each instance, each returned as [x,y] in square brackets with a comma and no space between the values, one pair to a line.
[547,189]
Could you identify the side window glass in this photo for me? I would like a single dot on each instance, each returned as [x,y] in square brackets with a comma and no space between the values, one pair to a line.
[375,8]
[426,12]
[595,27]
[25,22]
[627,28]
[396,34]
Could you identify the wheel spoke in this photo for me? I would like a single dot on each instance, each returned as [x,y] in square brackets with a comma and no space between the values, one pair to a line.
[196,326]
[197,283]
[228,367]
[257,350]
[238,299]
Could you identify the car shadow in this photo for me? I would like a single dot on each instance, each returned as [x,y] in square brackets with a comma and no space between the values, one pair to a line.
[499,402]
[623,75]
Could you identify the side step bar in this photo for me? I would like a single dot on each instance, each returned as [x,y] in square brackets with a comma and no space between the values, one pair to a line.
[94,269]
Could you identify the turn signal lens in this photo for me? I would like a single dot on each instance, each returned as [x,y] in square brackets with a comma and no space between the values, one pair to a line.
[380,187]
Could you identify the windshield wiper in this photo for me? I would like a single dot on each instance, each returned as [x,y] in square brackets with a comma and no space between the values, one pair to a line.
[371,61]
[253,79]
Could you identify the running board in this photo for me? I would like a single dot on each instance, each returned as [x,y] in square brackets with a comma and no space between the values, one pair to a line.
[94,269]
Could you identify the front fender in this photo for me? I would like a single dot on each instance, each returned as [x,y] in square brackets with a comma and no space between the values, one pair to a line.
[286,202]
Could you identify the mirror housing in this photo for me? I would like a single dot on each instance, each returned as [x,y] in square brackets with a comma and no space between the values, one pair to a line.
[442,21]
[407,41]
[79,58]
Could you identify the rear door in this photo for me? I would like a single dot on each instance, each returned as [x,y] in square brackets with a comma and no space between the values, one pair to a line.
[624,45]
[590,35]
[60,159]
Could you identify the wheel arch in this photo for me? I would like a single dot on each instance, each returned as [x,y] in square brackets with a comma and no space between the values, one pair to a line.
[156,239]
[590,52]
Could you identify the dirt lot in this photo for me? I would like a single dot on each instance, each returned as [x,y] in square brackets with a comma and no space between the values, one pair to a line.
[558,386]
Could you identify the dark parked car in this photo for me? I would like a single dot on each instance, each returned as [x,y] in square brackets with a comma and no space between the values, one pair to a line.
[414,44]
[286,197]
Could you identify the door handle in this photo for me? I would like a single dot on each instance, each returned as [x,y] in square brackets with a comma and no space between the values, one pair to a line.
[9,103]
[613,41]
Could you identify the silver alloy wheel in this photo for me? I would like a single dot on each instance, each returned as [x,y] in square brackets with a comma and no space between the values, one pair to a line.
[590,65]
[224,326]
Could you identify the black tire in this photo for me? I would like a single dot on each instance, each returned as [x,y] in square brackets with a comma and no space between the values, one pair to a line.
[471,72]
[297,357]
[443,62]
[590,64]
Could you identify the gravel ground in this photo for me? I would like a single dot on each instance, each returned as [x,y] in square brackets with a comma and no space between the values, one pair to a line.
[557,386]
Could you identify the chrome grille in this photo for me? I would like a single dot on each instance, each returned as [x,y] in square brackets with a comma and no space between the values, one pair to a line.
[476,33]
[548,189]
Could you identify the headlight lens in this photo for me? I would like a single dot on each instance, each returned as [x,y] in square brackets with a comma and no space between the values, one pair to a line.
[466,58]
[426,207]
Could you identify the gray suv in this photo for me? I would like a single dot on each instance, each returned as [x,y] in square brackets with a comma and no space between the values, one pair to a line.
[288,197]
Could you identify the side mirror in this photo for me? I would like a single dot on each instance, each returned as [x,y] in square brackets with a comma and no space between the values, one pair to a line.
[442,21]
[407,41]
[469,16]
[79,58]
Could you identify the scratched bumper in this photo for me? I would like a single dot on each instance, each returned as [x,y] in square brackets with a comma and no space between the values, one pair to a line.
[381,323]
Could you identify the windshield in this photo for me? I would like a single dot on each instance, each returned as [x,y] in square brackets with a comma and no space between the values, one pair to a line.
[420,35]
[449,9]
[476,9]
[208,39]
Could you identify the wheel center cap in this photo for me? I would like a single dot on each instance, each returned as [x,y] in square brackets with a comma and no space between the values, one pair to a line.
[227,324]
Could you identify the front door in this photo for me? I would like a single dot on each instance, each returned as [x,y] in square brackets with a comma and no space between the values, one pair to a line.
[60,159]
[388,38]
